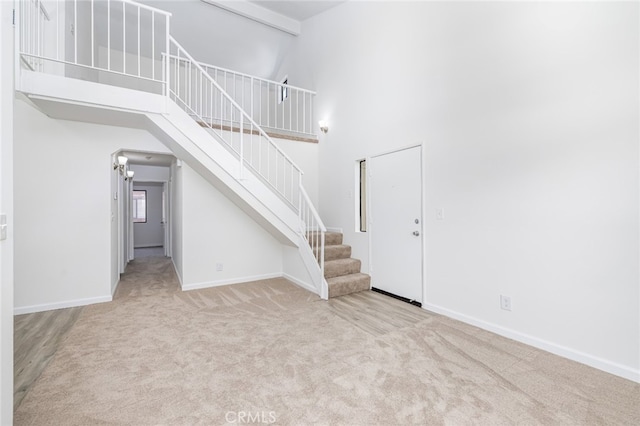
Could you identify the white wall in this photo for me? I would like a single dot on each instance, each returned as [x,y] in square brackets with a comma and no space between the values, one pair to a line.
[529,115]
[117,234]
[216,231]
[6,207]
[64,209]
[241,44]
[151,232]
[176,219]
[144,173]
[305,155]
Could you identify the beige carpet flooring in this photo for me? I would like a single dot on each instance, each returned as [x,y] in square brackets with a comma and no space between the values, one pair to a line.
[270,352]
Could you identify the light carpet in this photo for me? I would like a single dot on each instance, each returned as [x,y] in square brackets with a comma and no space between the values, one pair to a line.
[271,352]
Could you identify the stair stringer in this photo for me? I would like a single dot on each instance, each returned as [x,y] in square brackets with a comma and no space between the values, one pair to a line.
[206,155]
[78,100]
[192,143]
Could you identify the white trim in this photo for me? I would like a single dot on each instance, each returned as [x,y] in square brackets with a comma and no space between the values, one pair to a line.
[305,285]
[208,284]
[563,351]
[260,14]
[391,151]
[175,269]
[423,227]
[332,229]
[61,305]
[114,288]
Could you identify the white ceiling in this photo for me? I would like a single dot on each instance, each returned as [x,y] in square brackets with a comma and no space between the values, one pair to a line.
[297,9]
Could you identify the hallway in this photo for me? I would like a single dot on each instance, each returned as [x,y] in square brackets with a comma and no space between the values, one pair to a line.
[146,276]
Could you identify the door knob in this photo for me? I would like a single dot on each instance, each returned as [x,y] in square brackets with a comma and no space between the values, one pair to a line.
[416,233]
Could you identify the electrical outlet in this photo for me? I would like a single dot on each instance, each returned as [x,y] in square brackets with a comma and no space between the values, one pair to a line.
[219,267]
[440,213]
[505,302]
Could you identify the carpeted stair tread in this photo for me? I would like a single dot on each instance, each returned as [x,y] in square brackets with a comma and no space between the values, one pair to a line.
[332,238]
[338,267]
[334,252]
[347,284]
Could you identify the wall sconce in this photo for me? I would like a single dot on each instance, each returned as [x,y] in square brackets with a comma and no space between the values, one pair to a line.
[324,126]
[120,164]
[129,175]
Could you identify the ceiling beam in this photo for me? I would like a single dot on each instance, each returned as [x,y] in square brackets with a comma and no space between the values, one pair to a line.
[259,14]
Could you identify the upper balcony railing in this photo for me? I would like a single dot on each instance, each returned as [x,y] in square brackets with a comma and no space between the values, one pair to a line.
[111,41]
[106,41]
[273,105]
[195,91]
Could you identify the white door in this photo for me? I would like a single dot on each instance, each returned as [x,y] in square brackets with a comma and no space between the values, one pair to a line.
[395,223]
[165,219]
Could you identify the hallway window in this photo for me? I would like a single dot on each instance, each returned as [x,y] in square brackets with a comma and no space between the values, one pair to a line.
[139,206]
[362,201]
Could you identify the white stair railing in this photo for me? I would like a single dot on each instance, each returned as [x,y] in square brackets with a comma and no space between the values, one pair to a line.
[273,105]
[106,41]
[124,43]
[313,229]
[202,97]
[194,90]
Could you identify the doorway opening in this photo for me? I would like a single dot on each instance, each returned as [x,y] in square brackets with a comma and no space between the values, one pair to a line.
[148,215]
[142,208]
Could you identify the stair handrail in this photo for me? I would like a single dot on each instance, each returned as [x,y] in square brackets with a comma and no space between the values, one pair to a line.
[313,228]
[43,10]
[244,118]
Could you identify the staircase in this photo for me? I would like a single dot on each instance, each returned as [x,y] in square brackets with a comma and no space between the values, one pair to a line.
[121,66]
[341,271]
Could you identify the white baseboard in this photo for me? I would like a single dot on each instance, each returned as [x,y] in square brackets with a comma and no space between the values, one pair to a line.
[149,246]
[114,288]
[300,283]
[196,286]
[563,351]
[173,262]
[61,305]
[332,229]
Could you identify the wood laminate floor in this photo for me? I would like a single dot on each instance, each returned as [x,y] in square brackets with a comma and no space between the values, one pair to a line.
[376,313]
[35,341]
